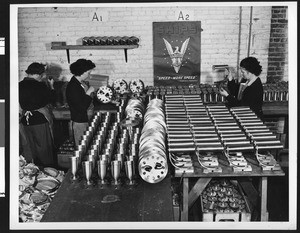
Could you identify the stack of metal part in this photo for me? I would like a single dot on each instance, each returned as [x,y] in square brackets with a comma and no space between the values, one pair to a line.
[260,136]
[223,196]
[105,94]
[232,137]
[275,92]
[135,109]
[110,40]
[152,164]
[120,86]
[208,93]
[190,129]
[136,86]
[119,90]
[106,152]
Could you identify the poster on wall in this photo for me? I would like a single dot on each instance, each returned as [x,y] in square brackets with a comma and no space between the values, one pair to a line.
[176,53]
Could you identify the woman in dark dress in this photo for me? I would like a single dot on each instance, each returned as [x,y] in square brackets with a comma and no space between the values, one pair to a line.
[36,116]
[248,92]
[80,96]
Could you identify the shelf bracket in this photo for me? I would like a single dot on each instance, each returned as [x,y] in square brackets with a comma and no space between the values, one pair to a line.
[68,55]
[125,52]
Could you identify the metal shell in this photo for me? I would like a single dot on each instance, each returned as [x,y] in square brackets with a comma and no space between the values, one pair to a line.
[136,86]
[105,94]
[120,86]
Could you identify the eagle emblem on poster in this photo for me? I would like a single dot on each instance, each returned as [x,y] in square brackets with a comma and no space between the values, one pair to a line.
[177,54]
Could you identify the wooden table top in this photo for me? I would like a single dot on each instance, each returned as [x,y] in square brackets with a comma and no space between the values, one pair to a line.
[144,202]
[227,170]
[276,108]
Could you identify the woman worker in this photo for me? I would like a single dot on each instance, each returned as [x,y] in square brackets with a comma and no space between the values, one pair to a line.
[79,96]
[248,92]
[36,122]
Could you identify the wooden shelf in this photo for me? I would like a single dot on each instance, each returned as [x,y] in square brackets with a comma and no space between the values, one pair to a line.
[93,47]
[276,108]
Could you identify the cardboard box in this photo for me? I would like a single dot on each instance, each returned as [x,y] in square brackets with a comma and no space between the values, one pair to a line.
[228,217]
[63,160]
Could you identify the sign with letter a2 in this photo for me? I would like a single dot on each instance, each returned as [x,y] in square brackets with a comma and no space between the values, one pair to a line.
[176,53]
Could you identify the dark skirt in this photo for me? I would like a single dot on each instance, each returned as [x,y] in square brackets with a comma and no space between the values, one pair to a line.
[38,144]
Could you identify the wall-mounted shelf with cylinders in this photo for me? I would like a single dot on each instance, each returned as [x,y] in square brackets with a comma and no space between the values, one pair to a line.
[64,46]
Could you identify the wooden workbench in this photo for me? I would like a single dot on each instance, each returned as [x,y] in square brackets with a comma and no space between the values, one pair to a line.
[269,108]
[190,195]
[63,113]
[144,202]
[276,108]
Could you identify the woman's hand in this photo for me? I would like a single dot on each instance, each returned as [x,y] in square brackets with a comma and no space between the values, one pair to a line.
[51,83]
[223,92]
[90,90]
[228,74]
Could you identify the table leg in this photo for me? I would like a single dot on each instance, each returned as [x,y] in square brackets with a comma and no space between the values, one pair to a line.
[189,197]
[197,190]
[185,201]
[70,129]
[264,215]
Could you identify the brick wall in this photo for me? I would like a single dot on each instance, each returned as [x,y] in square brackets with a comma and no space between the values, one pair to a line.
[278,48]
[39,26]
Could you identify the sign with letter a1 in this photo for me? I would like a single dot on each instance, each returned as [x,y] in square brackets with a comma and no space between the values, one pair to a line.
[177,50]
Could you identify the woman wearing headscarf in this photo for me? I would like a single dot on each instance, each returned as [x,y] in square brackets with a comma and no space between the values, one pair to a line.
[36,119]
[249,91]
[79,96]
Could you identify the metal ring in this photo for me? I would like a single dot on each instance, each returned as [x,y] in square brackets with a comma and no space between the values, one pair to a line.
[105,94]
[136,86]
[120,86]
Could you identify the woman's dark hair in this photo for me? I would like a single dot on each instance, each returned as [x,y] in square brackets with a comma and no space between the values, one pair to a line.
[80,66]
[35,68]
[252,65]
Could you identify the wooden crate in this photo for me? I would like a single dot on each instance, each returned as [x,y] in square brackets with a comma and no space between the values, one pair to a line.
[64,153]
[228,217]
[97,80]
[63,160]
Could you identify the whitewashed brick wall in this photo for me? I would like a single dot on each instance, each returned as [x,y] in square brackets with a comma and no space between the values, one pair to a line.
[39,26]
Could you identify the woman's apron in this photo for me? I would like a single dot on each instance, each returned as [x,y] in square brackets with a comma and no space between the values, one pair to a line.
[48,114]
[27,152]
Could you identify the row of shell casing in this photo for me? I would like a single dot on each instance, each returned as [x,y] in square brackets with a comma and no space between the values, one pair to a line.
[181,90]
[110,40]
[104,140]
[121,146]
[118,153]
[230,134]
[88,135]
[257,132]
[207,97]
[275,95]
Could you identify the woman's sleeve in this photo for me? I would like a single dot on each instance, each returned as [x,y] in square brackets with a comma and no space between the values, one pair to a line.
[233,87]
[232,101]
[254,98]
[47,95]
